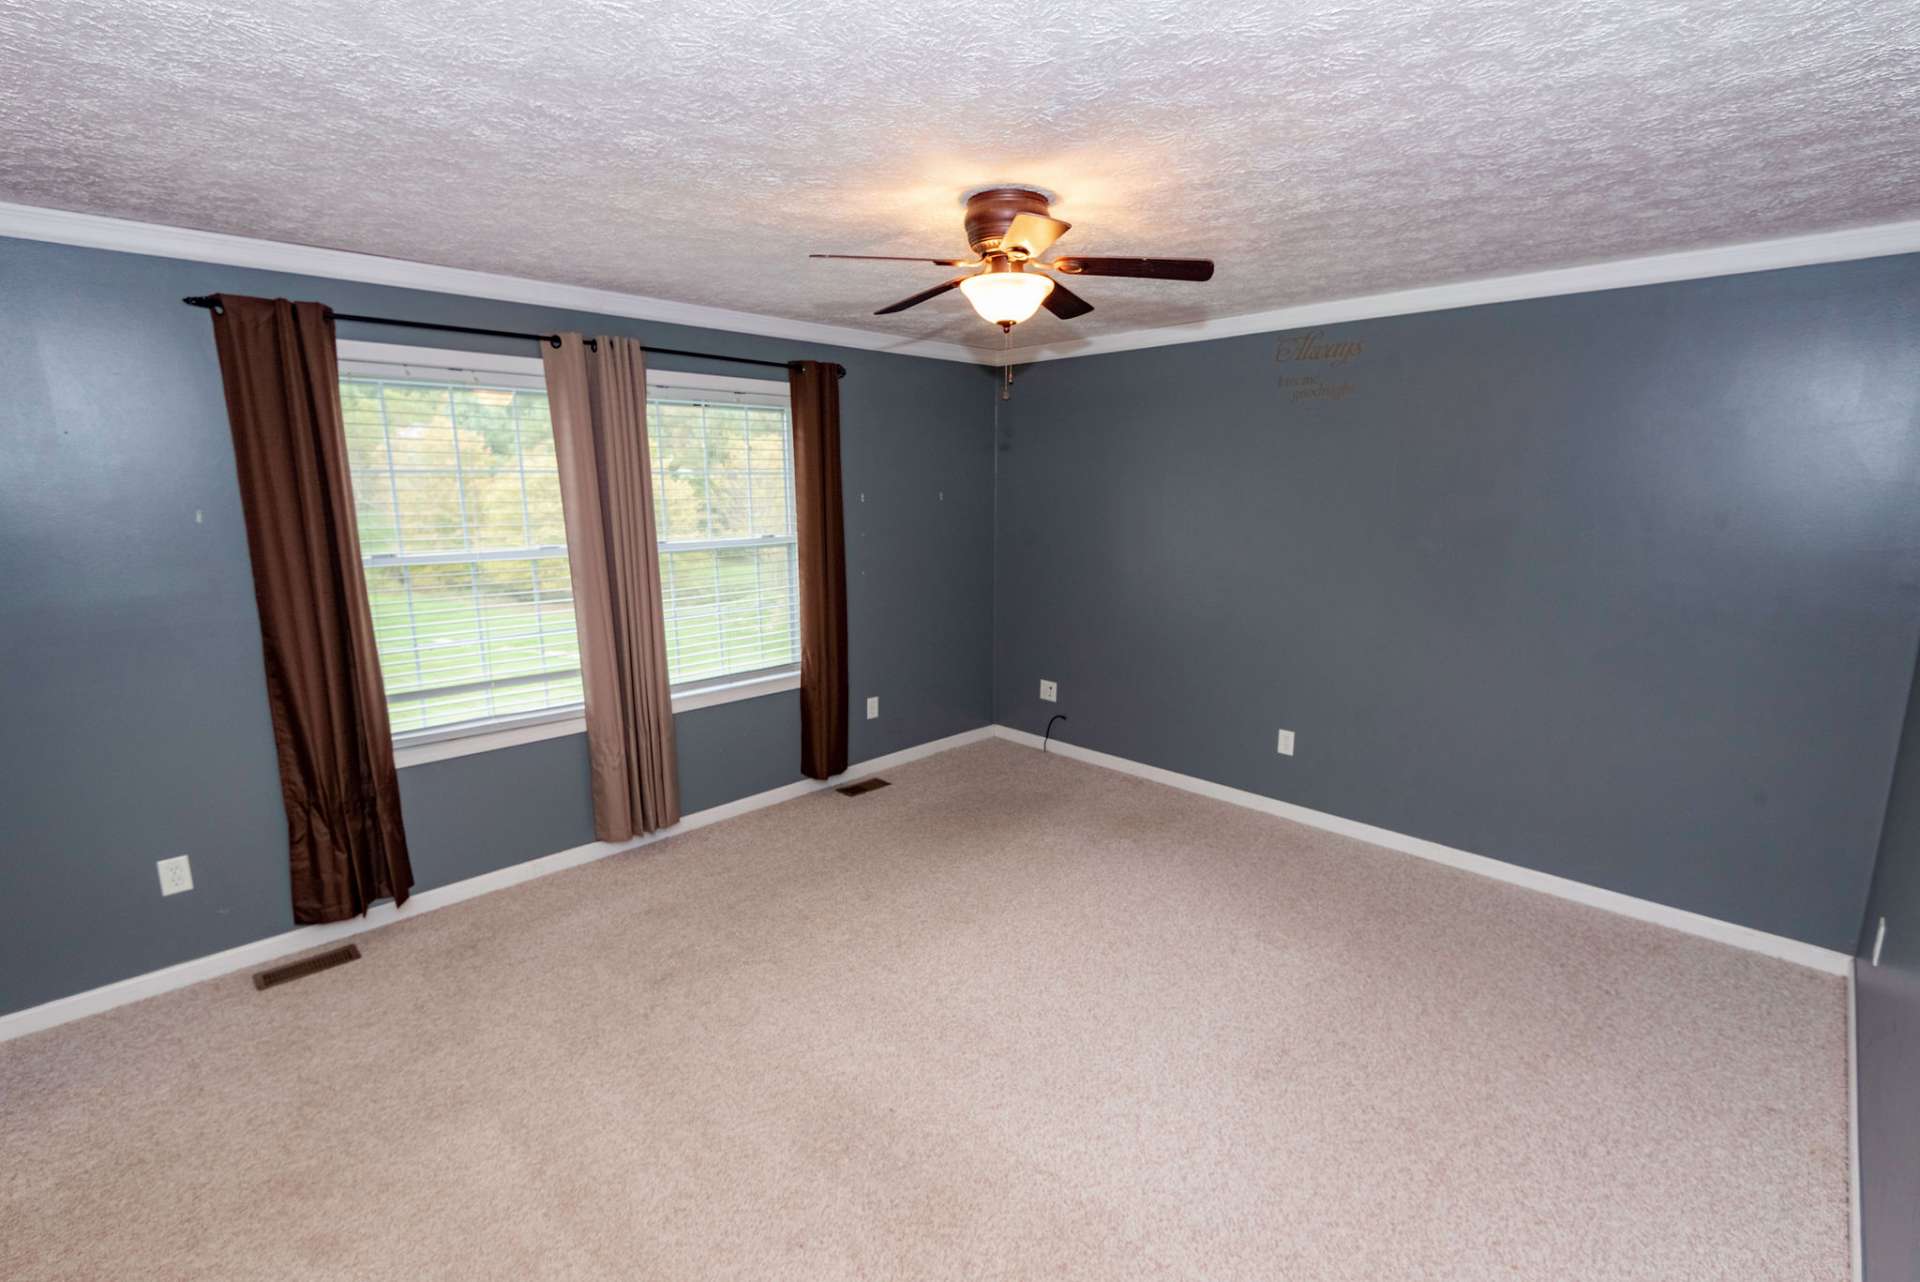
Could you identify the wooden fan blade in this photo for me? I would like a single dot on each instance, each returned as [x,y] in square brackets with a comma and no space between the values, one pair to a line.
[920,297]
[1064,303]
[1147,268]
[889,258]
[1032,234]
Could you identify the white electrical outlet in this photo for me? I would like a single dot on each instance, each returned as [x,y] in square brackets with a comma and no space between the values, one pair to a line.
[1879,938]
[1049,692]
[873,706]
[176,875]
[1285,745]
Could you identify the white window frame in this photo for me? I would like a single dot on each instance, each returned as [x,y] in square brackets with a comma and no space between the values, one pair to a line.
[725,389]
[397,360]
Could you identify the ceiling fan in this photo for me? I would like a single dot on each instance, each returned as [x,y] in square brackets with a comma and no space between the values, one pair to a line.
[1009,228]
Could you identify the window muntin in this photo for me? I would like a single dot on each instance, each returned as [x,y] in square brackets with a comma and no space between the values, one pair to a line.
[464,544]
[457,494]
[722,454]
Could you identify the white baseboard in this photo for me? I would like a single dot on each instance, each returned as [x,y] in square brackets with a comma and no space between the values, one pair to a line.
[1759,941]
[153,983]
[1853,1117]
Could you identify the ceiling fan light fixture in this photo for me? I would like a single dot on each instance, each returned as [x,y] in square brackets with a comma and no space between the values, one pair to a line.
[1008,228]
[1006,297]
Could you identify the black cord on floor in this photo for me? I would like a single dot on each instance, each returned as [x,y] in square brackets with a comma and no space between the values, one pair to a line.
[1058,716]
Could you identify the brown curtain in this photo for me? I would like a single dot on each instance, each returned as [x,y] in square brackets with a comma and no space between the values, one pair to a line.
[344,835]
[599,403]
[815,393]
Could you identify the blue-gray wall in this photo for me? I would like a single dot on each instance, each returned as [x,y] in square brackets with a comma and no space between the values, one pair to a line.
[1887,1030]
[133,721]
[1620,586]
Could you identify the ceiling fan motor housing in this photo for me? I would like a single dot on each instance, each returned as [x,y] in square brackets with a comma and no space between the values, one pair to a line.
[1009,229]
[990,212]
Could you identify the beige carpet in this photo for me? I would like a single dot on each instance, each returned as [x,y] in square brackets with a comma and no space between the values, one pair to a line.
[1013,1017]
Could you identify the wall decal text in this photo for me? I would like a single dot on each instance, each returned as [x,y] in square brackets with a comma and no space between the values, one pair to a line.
[1314,346]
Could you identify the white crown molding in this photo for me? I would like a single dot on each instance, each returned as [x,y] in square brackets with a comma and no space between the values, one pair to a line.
[1693,264]
[94,231]
[1813,956]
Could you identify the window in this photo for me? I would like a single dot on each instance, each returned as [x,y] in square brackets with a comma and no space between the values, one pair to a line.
[458,498]
[722,453]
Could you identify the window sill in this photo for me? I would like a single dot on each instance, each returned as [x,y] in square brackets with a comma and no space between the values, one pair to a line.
[750,686]
[483,739]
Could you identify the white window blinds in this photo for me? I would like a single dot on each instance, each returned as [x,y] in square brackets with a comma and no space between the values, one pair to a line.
[722,453]
[458,498]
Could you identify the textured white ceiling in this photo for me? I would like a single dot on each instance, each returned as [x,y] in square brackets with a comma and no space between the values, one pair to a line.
[698,151]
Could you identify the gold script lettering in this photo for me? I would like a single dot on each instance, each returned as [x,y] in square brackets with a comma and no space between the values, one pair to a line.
[1311,347]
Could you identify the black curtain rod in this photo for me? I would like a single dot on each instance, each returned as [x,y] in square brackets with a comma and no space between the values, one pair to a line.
[213,305]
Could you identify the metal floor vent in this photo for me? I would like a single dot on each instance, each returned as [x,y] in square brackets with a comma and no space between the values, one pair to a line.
[865,785]
[307,966]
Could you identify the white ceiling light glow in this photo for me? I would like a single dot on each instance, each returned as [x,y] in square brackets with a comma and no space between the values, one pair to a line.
[1006,298]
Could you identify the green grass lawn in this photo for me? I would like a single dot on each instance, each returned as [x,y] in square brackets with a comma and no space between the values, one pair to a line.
[721,619]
